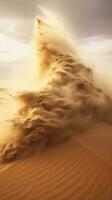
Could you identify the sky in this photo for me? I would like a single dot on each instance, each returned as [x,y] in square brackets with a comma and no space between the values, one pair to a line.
[88,20]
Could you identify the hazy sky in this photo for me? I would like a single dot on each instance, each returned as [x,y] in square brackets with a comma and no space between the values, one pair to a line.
[90,16]
[91,20]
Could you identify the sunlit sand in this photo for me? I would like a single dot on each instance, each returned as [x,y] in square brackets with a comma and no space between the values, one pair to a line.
[80,167]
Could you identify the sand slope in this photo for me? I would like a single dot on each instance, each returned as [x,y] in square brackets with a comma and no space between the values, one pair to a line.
[68,171]
[99,140]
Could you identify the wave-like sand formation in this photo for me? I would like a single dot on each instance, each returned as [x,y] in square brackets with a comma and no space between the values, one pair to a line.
[64,105]
[67,101]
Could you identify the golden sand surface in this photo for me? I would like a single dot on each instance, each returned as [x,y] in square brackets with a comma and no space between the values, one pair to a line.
[72,170]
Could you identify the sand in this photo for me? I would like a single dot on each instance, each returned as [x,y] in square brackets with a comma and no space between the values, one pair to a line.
[73,170]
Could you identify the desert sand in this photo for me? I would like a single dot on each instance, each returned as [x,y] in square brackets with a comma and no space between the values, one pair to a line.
[77,169]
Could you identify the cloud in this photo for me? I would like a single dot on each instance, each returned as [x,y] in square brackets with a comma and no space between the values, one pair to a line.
[15,57]
[80,14]
[99,44]
[17,28]
[12,49]
[97,52]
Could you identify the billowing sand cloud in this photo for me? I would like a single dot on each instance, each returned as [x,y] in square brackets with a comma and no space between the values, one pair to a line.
[67,100]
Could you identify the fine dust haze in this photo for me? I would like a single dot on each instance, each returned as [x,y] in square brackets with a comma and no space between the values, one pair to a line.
[66,96]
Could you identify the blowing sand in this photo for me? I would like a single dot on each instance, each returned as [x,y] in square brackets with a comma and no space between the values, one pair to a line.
[78,168]
[68,171]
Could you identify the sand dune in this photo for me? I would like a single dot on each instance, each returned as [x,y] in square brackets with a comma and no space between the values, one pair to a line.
[79,168]
[68,171]
[99,141]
